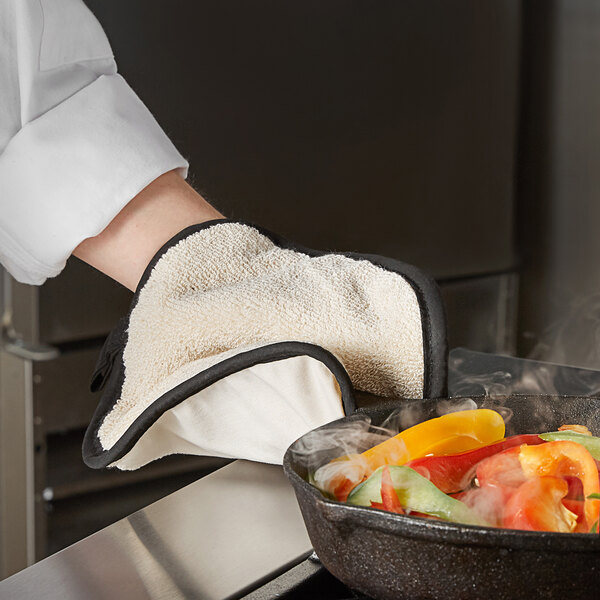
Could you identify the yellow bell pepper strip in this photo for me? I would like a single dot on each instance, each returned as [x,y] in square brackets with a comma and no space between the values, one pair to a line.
[537,505]
[450,434]
[591,444]
[561,459]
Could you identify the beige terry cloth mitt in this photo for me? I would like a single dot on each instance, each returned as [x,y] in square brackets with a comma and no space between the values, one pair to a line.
[238,342]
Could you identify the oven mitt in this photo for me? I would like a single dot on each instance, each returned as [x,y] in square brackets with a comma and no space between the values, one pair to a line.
[238,342]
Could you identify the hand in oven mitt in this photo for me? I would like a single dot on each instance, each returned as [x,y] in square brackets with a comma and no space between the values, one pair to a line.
[238,342]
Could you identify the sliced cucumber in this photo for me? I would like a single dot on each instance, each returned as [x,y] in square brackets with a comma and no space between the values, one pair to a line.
[415,493]
[590,443]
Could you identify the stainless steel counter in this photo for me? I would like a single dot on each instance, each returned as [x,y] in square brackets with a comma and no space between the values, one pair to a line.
[217,538]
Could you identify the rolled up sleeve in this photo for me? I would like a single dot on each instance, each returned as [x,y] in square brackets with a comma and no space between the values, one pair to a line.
[67,172]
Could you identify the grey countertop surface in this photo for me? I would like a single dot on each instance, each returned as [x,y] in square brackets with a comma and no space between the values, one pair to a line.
[217,538]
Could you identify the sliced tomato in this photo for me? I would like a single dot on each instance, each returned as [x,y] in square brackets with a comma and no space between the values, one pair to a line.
[502,470]
[498,476]
[562,459]
[537,506]
[487,501]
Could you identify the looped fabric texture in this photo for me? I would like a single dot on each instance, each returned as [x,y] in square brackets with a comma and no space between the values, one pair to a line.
[238,342]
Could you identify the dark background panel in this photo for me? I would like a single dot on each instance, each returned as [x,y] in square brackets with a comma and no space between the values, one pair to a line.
[559,183]
[387,127]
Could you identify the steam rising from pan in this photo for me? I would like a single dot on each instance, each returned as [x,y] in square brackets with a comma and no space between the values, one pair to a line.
[476,373]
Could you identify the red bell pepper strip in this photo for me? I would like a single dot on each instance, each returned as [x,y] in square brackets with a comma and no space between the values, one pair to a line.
[389,498]
[564,458]
[537,506]
[454,472]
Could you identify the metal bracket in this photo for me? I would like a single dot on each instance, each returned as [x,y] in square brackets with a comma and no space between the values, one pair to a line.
[10,340]
[33,352]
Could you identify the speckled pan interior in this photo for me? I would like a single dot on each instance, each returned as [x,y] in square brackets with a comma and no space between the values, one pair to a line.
[388,556]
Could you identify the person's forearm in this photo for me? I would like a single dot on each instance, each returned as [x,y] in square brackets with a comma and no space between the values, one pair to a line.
[123,250]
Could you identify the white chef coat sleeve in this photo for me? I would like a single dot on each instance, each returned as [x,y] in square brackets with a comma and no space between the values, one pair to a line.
[76,143]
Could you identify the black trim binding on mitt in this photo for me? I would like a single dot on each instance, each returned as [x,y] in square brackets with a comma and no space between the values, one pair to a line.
[109,374]
[96,457]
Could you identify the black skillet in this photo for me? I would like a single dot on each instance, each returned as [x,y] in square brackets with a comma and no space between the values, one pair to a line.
[389,556]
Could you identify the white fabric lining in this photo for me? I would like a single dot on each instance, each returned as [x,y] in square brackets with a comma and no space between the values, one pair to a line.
[255,413]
